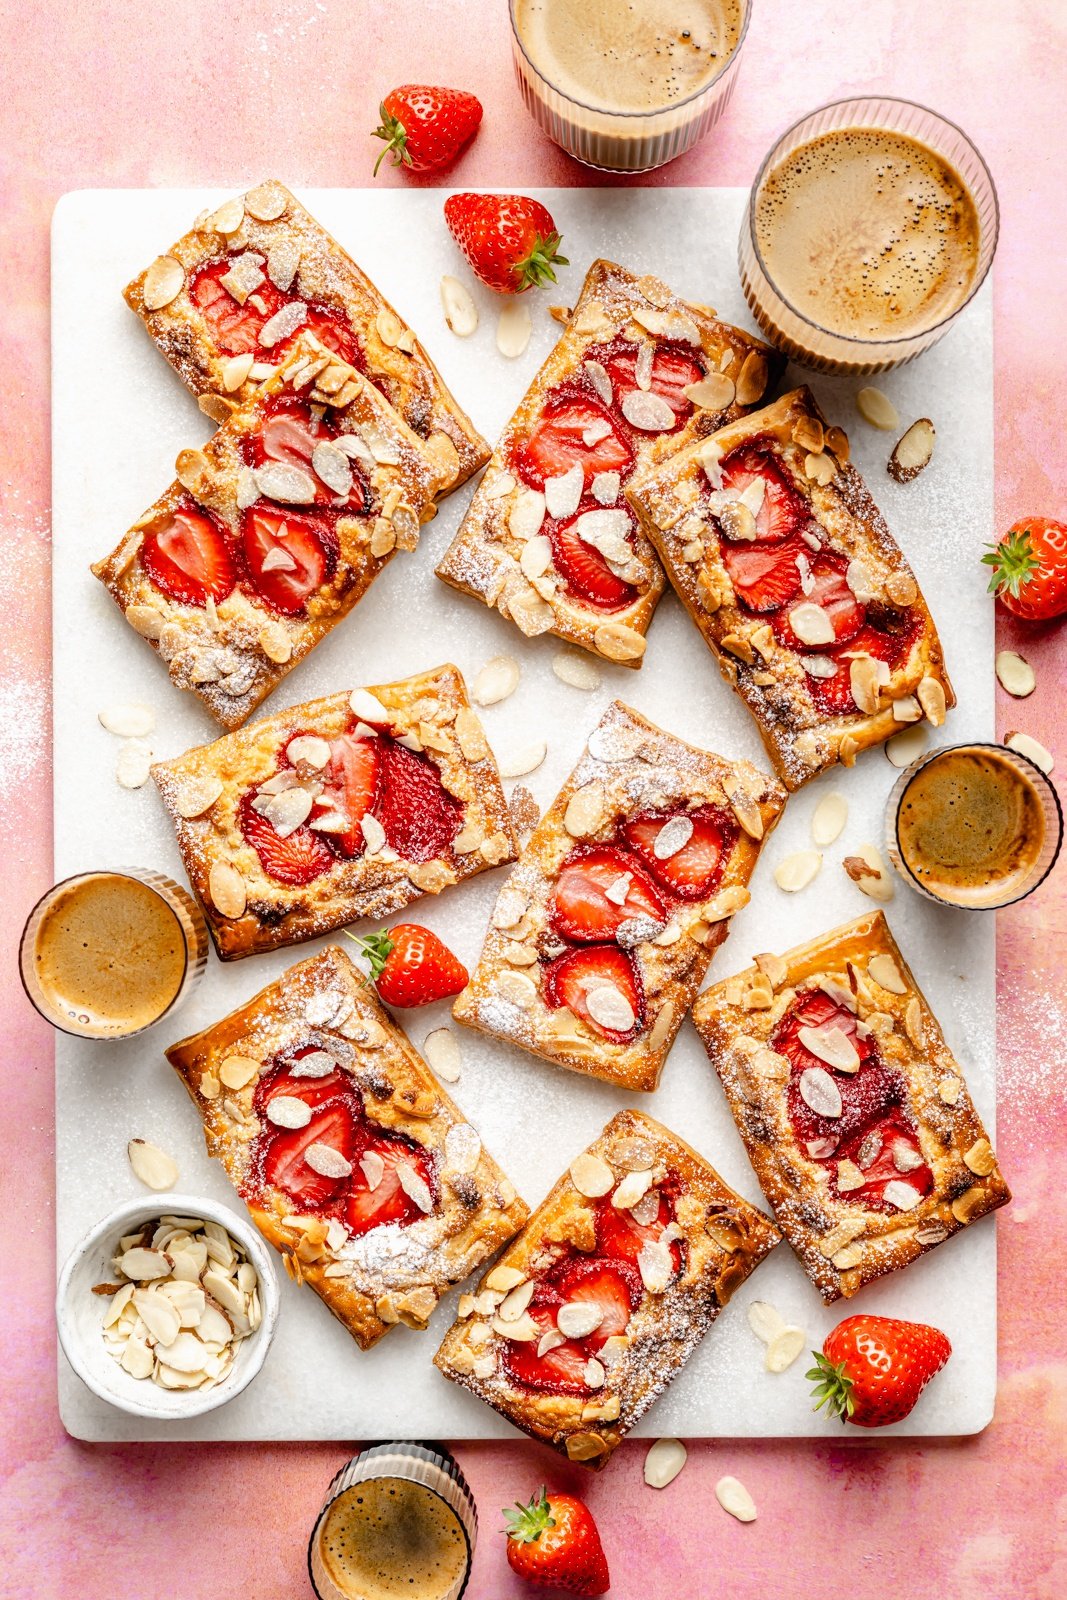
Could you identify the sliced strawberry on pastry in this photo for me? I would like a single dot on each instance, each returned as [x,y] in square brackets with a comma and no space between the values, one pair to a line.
[573,427]
[289,433]
[234,327]
[886,1152]
[692,870]
[330,1139]
[585,571]
[765,576]
[289,555]
[377,1192]
[782,511]
[827,588]
[622,1236]
[295,860]
[614,1287]
[189,556]
[350,787]
[331,328]
[286,1082]
[867,1094]
[606,973]
[833,695]
[674,368]
[598,888]
[560,1369]
[418,814]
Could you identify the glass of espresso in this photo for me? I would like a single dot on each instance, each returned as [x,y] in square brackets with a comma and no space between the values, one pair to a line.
[627,85]
[104,955]
[399,1520]
[870,226]
[974,825]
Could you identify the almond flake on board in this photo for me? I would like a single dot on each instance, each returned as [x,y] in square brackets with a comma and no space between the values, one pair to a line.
[513,329]
[152,1166]
[735,1498]
[457,302]
[829,818]
[764,1320]
[441,1049]
[128,720]
[1024,745]
[905,747]
[877,409]
[663,1462]
[912,451]
[794,872]
[1014,674]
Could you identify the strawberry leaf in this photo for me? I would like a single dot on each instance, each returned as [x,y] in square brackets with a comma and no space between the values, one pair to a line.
[526,1524]
[536,269]
[1013,562]
[393,131]
[376,949]
[832,1387]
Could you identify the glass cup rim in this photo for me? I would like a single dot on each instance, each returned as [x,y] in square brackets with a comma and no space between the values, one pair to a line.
[870,100]
[138,875]
[908,776]
[631,116]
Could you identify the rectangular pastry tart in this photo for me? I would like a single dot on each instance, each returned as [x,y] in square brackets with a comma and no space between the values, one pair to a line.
[602,935]
[548,539]
[851,1105]
[786,566]
[606,1293]
[227,302]
[272,532]
[352,1160]
[342,808]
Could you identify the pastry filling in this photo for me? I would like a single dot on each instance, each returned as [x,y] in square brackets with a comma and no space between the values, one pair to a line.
[237,300]
[361,794]
[848,1107]
[318,1147]
[816,600]
[610,897]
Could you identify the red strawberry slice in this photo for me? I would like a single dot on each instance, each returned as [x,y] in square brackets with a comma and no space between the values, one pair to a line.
[694,871]
[351,788]
[620,1236]
[234,328]
[189,556]
[331,328]
[418,814]
[764,576]
[585,571]
[289,434]
[614,1287]
[814,1008]
[560,1370]
[829,590]
[296,860]
[285,1165]
[557,441]
[581,907]
[867,1095]
[366,1208]
[569,979]
[306,541]
[833,696]
[314,1092]
[884,1153]
[783,511]
[674,368]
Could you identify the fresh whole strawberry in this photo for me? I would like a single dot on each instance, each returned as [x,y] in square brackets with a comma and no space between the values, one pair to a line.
[511,242]
[425,127]
[554,1542]
[409,966]
[1029,568]
[872,1370]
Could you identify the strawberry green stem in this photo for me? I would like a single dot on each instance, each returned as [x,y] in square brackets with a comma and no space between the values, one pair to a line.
[833,1387]
[536,269]
[1013,562]
[375,947]
[393,131]
[526,1524]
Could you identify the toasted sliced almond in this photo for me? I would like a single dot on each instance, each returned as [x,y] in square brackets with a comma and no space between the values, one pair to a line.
[591,1176]
[931,697]
[610,1008]
[819,1092]
[152,1166]
[129,720]
[784,1348]
[904,748]
[664,1462]
[266,202]
[503,1278]
[577,1319]
[513,329]
[735,1498]
[912,451]
[877,409]
[794,872]
[330,1163]
[1014,673]
[884,970]
[442,1051]
[526,514]
[832,1045]
[1026,746]
[752,379]
[163,282]
[712,393]
[904,1196]
[236,369]
[829,818]
[868,872]
[287,1111]
[237,1071]
[647,411]
[585,811]
[980,1158]
[811,623]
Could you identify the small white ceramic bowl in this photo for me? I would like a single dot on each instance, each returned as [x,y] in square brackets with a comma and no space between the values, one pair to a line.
[79,1312]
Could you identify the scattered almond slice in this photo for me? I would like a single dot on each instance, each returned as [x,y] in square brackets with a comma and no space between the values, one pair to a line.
[735,1498]
[1029,747]
[764,1320]
[163,282]
[877,409]
[912,451]
[513,329]
[152,1166]
[442,1051]
[577,669]
[457,302]
[494,682]
[819,1092]
[527,758]
[130,720]
[134,764]
[905,747]
[829,818]
[885,972]
[591,1176]
[663,1462]
[869,872]
[1014,673]
[788,1343]
[794,872]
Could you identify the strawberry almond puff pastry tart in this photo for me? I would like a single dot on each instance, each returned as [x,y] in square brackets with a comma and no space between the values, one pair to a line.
[852,1107]
[602,934]
[604,1296]
[339,809]
[227,303]
[549,539]
[783,561]
[352,1160]
[272,532]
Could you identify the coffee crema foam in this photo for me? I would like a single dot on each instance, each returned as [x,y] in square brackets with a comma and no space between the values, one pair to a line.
[387,1537]
[869,234]
[970,827]
[628,55]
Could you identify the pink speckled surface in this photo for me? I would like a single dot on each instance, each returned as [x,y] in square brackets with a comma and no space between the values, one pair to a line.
[194,93]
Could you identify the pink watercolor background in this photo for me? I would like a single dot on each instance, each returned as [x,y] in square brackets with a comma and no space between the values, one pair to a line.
[107,93]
